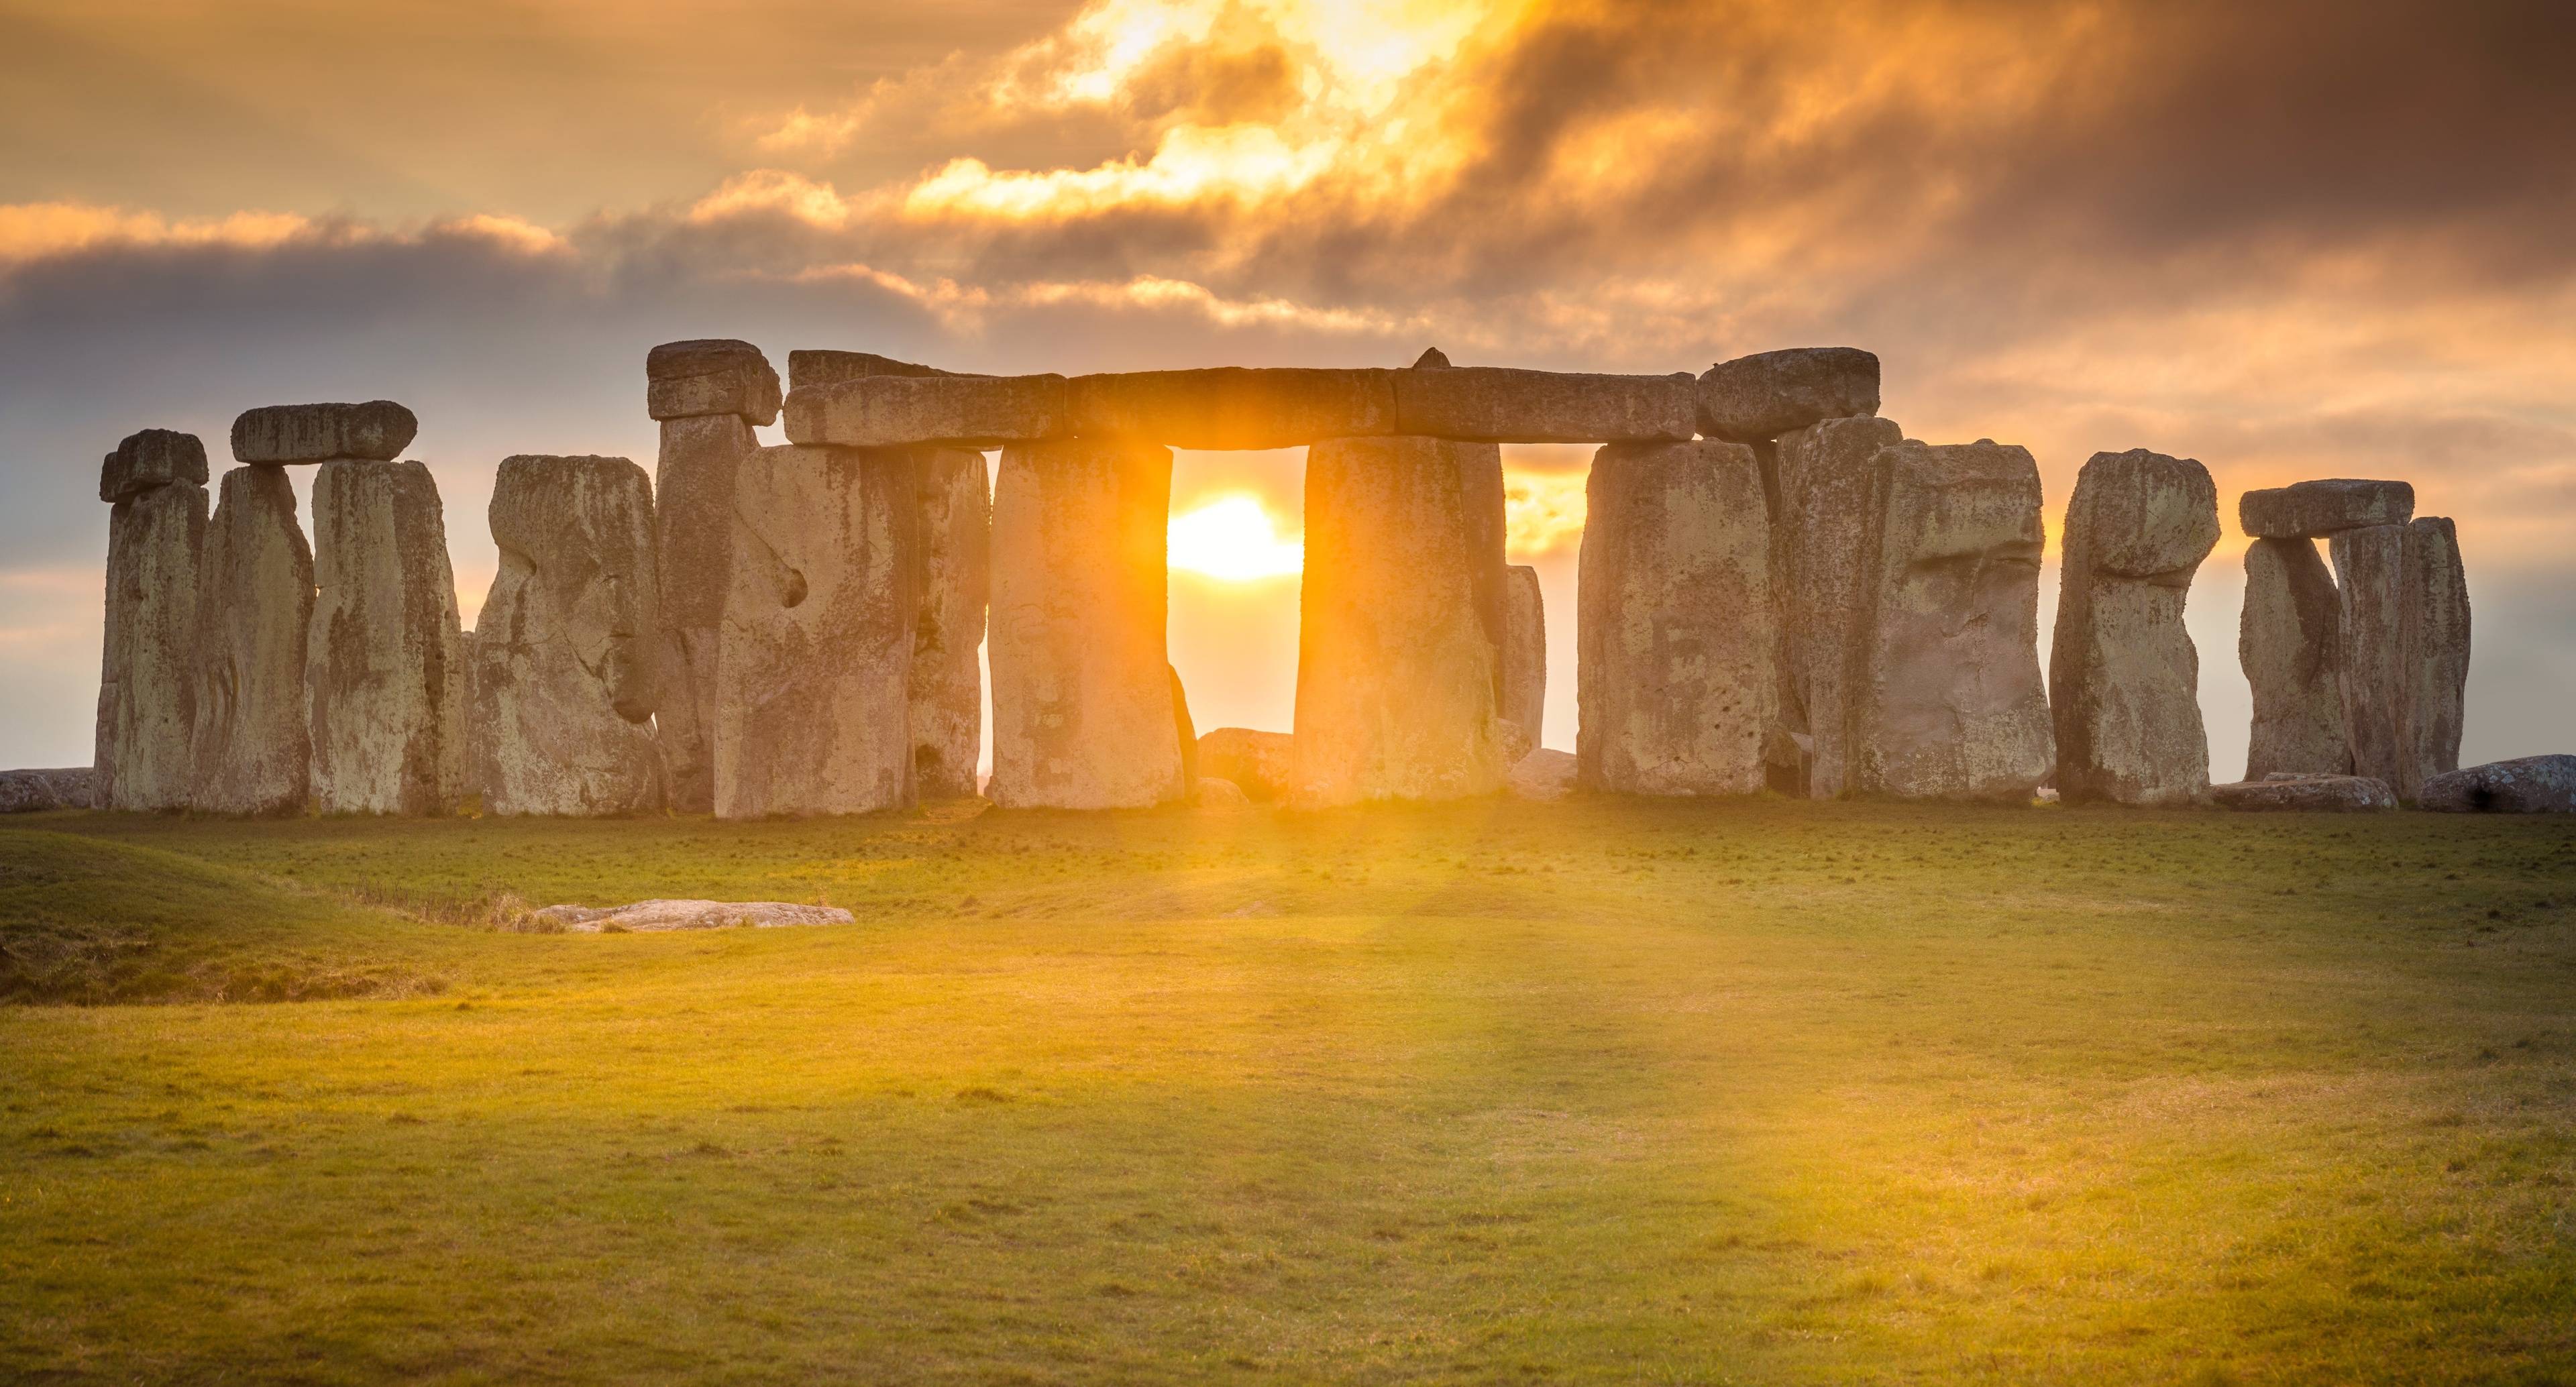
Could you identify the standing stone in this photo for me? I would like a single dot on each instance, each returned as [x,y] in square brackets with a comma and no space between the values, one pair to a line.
[1401,615]
[254,606]
[707,395]
[384,667]
[814,674]
[2437,649]
[1949,703]
[1082,687]
[563,674]
[2289,640]
[2124,677]
[1524,660]
[2405,649]
[147,671]
[1820,569]
[1676,675]
[955,528]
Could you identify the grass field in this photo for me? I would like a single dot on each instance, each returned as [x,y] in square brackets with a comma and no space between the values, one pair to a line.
[1751,1092]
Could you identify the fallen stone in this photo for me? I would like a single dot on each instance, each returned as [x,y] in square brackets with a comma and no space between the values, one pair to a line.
[1821,563]
[645,917]
[286,435]
[34,791]
[1216,793]
[2123,676]
[2289,641]
[254,609]
[1500,404]
[2314,794]
[813,675]
[1232,407]
[1949,703]
[384,665]
[1524,703]
[147,673]
[710,376]
[2311,510]
[2436,649]
[693,497]
[563,674]
[2524,785]
[817,368]
[947,411]
[1083,715]
[1541,775]
[1675,674]
[1771,393]
[1263,763]
[2405,650]
[1401,622]
[153,457]
[954,527]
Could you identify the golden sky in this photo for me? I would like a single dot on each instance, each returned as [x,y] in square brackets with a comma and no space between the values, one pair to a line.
[2305,238]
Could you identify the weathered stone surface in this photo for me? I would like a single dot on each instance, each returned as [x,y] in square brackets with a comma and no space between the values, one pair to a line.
[1524,655]
[1083,715]
[1770,393]
[693,488]
[2437,649]
[813,677]
[1542,775]
[2405,651]
[1233,406]
[254,608]
[1185,731]
[1821,562]
[564,669]
[1401,622]
[2315,794]
[948,411]
[147,673]
[34,791]
[2123,676]
[384,660]
[815,367]
[648,916]
[153,457]
[1214,793]
[284,435]
[1263,763]
[2525,785]
[710,376]
[1501,404]
[1675,670]
[955,528]
[2289,640]
[2311,510]
[1949,703]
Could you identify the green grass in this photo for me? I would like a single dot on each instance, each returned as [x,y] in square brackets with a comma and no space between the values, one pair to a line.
[1753,1092]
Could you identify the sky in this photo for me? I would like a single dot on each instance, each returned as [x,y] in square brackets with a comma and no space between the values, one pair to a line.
[2302,239]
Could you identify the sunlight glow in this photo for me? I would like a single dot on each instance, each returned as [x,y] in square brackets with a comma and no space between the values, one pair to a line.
[1233,537]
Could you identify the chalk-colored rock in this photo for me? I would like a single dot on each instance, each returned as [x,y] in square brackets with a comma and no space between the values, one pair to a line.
[563,675]
[2123,676]
[710,376]
[814,674]
[1083,715]
[1215,793]
[2405,651]
[1949,703]
[1768,394]
[955,527]
[34,791]
[1263,763]
[1401,619]
[2289,640]
[1524,656]
[384,660]
[650,916]
[946,411]
[287,435]
[150,458]
[147,672]
[1501,404]
[2525,785]
[814,367]
[254,609]
[1675,674]
[1821,562]
[693,486]
[1542,775]
[1233,406]
[2313,794]
[2311,510]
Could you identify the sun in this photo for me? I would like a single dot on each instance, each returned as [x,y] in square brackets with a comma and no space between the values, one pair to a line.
[1233,537]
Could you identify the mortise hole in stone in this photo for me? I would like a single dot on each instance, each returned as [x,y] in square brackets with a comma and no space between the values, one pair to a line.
[792,592]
